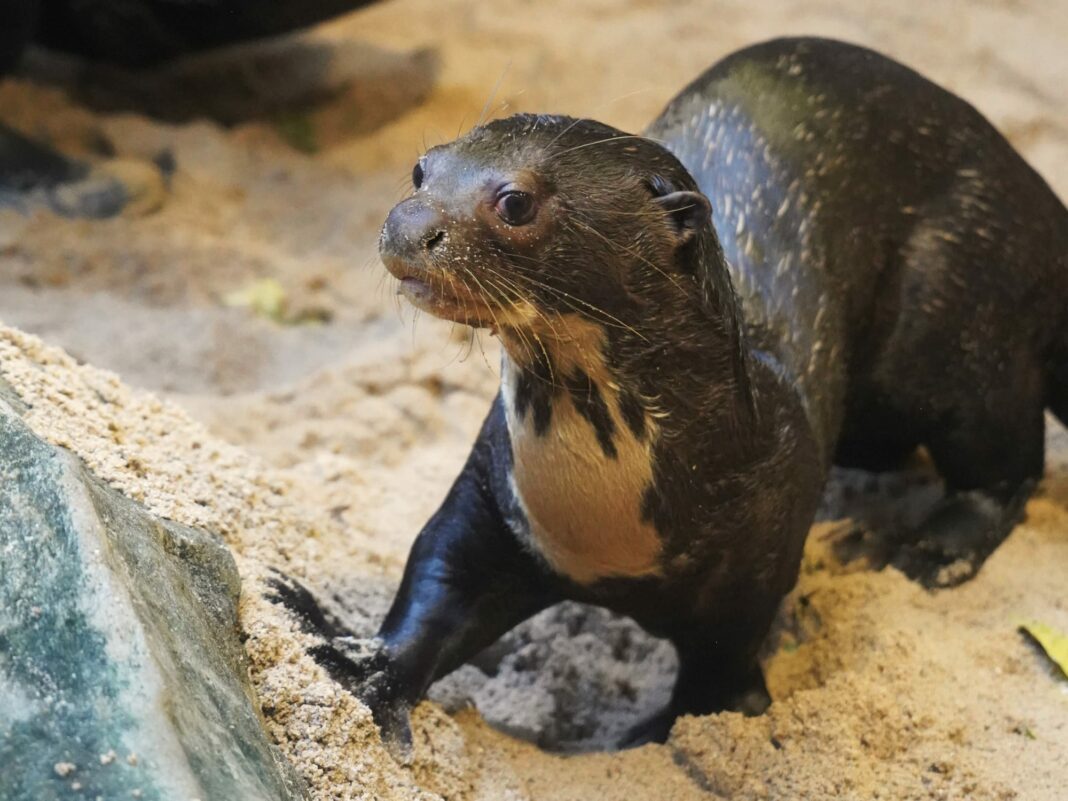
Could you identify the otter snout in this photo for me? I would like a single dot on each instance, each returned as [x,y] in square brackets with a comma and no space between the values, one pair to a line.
[410,244]
[410,234]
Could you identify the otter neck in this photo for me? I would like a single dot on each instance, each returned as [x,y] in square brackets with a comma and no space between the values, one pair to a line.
[594,415]
[582,446]
[676,352]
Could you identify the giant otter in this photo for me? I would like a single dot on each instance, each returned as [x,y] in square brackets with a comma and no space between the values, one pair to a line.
[813,256]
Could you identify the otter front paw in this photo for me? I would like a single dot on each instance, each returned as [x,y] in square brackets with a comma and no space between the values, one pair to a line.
[362,666]
[365,669]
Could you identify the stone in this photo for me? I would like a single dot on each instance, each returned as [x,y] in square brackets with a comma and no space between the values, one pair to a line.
[122,673]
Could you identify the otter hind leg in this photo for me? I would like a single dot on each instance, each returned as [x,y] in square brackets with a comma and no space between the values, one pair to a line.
[991,463]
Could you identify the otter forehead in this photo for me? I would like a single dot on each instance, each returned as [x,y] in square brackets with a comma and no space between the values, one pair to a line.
[493,153]
[555,148]
[459,172]
[546,132]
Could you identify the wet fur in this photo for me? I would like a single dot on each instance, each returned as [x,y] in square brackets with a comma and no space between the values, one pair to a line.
[881,271]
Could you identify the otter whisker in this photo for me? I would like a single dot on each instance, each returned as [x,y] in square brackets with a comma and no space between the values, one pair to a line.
[473,332]
[555,139]
[492,94]
[476,336]
[398,307]
[403,187]
[569,299]
[586,226]
[452,329]
[520,331]
[503,301]
[538,311]
[516,290]
[552,382]
[415,320]
[485,293]
[466,291]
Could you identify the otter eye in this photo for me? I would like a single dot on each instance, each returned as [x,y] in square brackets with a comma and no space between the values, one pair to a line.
[515,208]
[417,175]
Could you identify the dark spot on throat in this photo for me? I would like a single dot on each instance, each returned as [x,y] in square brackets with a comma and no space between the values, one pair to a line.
[653,504]
[589,402]
[534,393]
[633,413]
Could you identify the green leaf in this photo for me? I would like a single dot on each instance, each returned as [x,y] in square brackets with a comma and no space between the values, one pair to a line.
[1052,641]
[266,297]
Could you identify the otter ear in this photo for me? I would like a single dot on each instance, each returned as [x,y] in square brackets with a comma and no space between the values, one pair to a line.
[688,211]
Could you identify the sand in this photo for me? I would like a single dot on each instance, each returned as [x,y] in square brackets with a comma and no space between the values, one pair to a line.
[320,449]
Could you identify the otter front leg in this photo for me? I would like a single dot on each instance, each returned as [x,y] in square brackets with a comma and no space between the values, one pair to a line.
[718,667]
[468,580]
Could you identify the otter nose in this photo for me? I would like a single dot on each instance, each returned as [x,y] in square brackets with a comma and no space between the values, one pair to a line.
[412,230]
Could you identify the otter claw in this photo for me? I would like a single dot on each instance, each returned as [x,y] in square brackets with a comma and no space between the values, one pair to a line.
[363,668]
[286,591]
[395,728]
[936,569]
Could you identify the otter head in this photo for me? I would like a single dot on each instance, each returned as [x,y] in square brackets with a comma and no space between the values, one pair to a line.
[528,223]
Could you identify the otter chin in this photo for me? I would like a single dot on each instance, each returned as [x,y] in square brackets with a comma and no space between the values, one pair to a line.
[440,295]
[439,302]
[813,256]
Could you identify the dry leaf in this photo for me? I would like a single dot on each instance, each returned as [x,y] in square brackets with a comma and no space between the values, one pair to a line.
[1052,641]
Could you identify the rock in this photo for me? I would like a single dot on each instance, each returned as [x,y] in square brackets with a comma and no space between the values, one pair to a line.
[33,175]
[122,674]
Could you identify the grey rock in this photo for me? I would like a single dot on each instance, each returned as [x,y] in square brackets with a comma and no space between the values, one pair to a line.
[122,674]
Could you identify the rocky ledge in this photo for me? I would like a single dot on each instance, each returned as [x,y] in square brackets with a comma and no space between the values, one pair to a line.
[122,673]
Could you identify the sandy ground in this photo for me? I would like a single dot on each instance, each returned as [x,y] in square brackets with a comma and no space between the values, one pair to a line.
[322,448]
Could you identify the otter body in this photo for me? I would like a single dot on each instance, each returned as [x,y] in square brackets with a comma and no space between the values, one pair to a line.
[813,256]
[888,246]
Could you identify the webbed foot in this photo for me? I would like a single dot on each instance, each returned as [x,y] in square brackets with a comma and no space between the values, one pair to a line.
[361,665]
[286,591]
[365,669]
[958,536]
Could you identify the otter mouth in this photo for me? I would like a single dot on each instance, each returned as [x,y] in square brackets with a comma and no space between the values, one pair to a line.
[443,297]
